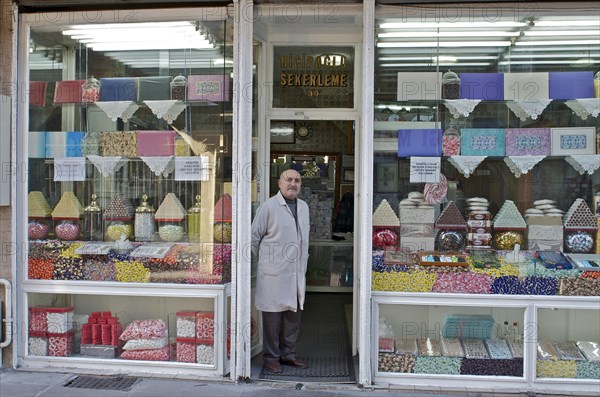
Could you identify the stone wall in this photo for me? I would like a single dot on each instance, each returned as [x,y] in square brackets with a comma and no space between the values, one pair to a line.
[7,54]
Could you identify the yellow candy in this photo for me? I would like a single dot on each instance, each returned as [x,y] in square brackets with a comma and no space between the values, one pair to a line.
[505,270]
[70,252]
[556,369]
[416,281]
[132,272]
[114,232]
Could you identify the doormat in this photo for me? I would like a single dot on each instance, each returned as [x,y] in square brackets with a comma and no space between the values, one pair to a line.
[102,382]
[320,369]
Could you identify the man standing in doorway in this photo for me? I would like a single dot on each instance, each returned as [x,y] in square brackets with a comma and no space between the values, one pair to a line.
[280,242]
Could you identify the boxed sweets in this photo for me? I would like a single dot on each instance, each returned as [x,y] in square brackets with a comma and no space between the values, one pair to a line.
[66,216]
[509,227]
[170,217]
[544,226]
[190,350]
[100,335]
[416,214]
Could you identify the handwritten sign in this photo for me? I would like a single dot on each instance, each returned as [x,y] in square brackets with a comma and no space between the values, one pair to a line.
[67,169]
[191,168]
[425,169]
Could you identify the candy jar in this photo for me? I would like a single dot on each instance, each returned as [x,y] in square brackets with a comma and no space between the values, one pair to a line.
[38,228]
[450,240]
[144,221]
[117,227]
[92,221]
[91,90]
[451,142]
[171,230]
[179,88]
[450,85]
[68,229]
[194,219]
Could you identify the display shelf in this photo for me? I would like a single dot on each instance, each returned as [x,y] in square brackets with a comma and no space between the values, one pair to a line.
[127,305]
[413,305]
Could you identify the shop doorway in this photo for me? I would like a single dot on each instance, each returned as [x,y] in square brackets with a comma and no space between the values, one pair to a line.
[322,151]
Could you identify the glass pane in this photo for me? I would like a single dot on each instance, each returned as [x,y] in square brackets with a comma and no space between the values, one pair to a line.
[130,137]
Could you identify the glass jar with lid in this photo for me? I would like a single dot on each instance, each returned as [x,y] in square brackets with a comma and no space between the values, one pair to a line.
[194,221]
[92,221]
[117,227]
[144,221]
[450,85]
[38,227]
[451,142]
[179,86]
[171,230]
[67,229]
[91,90]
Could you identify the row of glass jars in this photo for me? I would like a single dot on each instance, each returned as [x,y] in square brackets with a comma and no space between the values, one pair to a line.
[142,227]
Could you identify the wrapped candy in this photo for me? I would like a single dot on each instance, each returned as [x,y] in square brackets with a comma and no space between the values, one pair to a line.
[450,240]
[384,238]
[579,242]
[506,240]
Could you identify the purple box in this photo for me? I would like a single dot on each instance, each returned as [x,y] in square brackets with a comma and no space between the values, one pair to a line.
[212,87]
[485,86]
[571,85]
[426,142]
[528,142]
[155,143]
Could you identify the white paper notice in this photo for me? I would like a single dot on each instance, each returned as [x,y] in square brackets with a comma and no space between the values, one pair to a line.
[69,169]
[191,168]
[425,169]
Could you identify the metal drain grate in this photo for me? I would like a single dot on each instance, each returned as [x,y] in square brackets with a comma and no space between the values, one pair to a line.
[101,382]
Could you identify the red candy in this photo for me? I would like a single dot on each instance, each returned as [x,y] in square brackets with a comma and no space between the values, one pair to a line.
[384,238]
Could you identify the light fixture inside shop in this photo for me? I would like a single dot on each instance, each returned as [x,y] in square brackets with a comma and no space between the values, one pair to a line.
[560,23]
[561,33]
[434,44]
[140,36]
[581,61]
[557,42]
[424,25]
[449,34]
[409,65]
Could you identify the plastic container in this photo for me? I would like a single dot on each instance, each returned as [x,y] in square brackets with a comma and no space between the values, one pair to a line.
[186,350]
[38,343]
[38,228]
[186,324]
[93,222]
[61,345]
[450,85]
[59,319]
[179,87]
[205,327]
[451,142]
[145,227]
[91,90]
[194,221]
[68,229]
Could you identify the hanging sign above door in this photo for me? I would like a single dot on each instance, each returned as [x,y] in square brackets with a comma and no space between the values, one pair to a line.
[313,77]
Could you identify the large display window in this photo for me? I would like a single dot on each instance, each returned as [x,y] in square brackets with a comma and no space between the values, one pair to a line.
[486,178]
[128,201]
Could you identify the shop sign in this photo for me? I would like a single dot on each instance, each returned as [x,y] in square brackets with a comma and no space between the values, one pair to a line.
[313,77]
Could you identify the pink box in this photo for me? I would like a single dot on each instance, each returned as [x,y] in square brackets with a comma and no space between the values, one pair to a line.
[528,141]
[155,143]
[212,87]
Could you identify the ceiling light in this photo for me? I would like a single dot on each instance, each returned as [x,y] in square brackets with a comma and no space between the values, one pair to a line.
[557,42]
[412,25]
[453,64]
[527,56]
[444,58]
[557,48]
[434,44]
[550,62]
[426,58]
[557,23]
[561,33]
[487,33]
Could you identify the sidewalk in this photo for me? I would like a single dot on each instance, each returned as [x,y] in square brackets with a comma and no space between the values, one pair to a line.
[14,383]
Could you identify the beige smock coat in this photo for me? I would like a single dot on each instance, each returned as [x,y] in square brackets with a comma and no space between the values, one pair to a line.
[282,252]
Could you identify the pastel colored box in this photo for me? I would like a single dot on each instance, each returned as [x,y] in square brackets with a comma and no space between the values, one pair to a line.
[419,86]
[155,143]
[528,141]
[213,88]
[525,87]
[573,140]
[63,144]
[156,88]
[571,85]
[37,144]
[68,91]
[37,93]
[484,86]
[416,216]
[118,89]
[482,141]
[427,142]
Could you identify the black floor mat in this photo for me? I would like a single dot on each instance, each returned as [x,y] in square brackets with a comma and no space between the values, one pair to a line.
[323,343]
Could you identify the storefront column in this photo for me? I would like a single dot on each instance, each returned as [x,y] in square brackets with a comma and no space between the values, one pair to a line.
[242,179]
[365,196]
